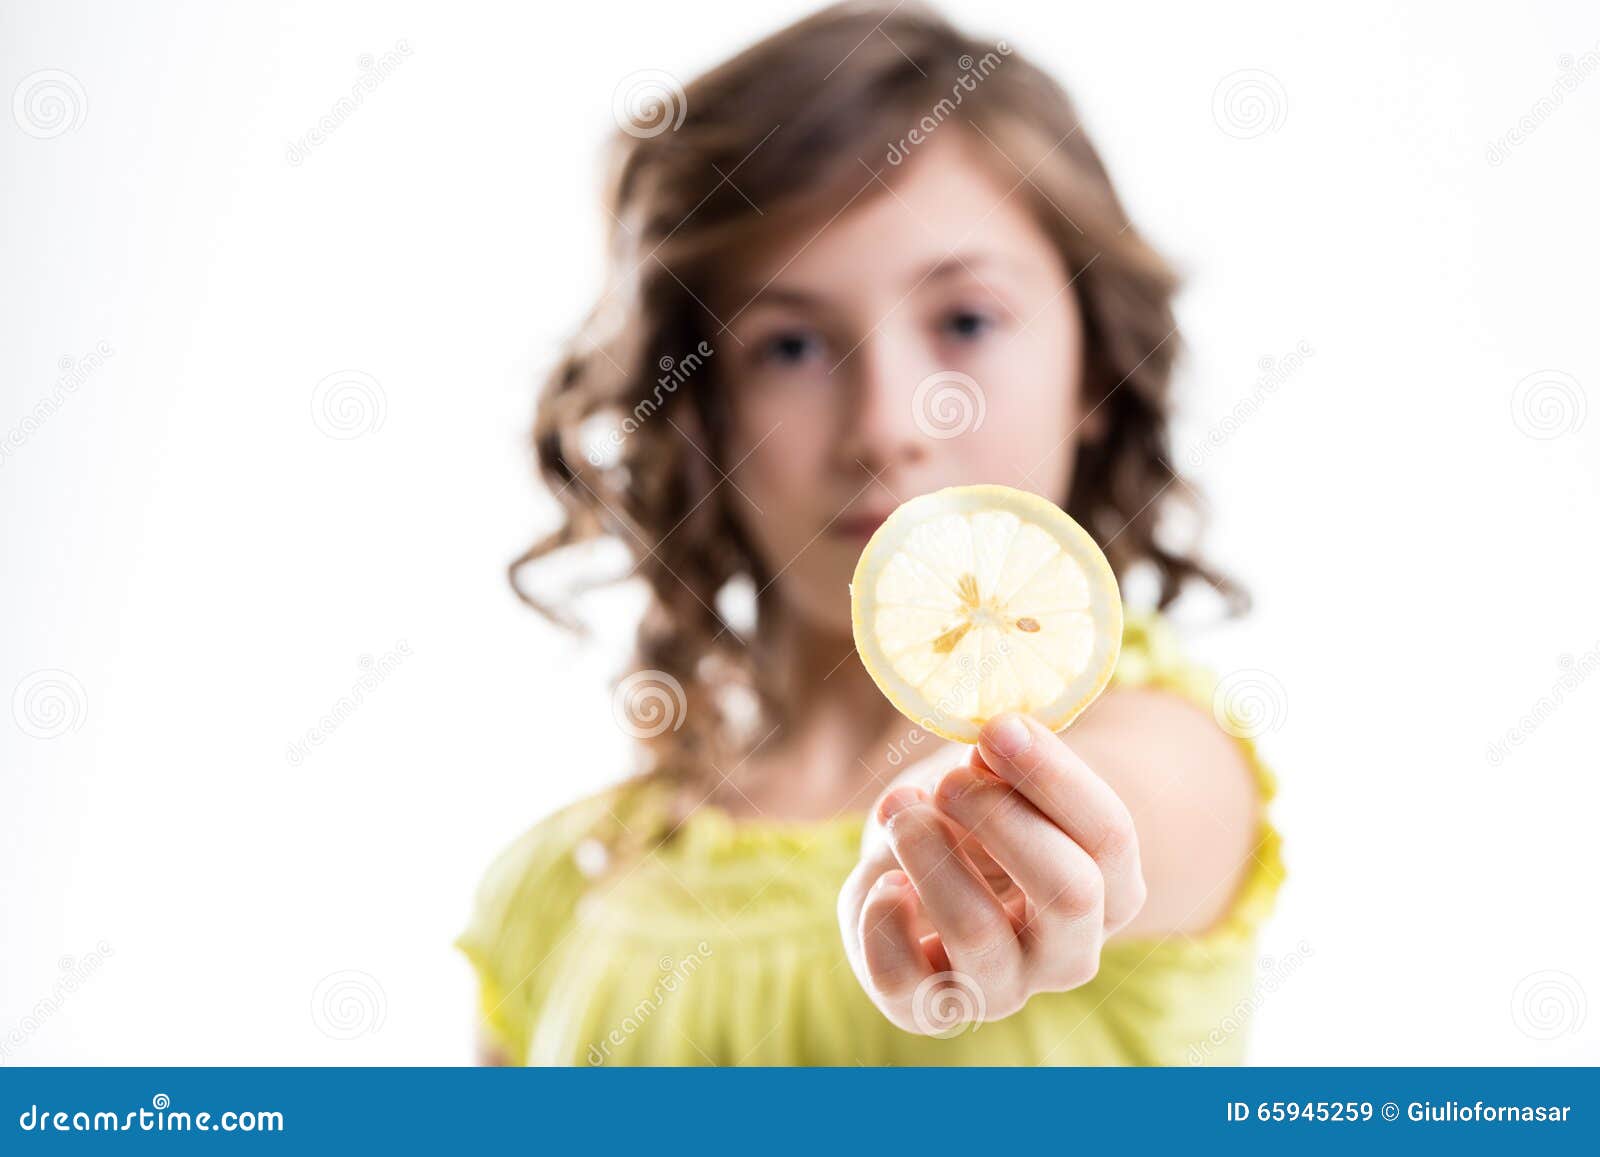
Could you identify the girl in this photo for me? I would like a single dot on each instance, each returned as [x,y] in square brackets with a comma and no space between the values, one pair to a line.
[868,258]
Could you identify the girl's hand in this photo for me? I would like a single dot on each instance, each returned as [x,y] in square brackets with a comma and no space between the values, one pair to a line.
[1001,881]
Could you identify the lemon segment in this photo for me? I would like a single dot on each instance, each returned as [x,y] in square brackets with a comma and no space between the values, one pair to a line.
[979,600]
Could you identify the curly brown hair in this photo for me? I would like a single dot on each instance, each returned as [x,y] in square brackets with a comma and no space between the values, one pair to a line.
[795,117]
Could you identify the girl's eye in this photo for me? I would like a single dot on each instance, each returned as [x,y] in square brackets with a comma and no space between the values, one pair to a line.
[790,348]
[966,324]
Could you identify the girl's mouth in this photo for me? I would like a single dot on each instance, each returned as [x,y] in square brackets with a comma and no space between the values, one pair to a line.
[857,527]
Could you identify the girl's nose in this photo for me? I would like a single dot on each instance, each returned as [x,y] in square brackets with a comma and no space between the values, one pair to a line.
[881,430]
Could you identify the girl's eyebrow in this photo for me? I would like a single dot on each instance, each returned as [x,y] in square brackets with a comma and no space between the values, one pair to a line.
[969,263]
[770,294]
[953,264]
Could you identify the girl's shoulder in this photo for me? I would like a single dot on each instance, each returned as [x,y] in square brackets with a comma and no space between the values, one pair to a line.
[1212,737]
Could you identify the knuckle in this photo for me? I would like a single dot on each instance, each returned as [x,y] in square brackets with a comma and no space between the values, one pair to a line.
[998,982]
[1002,806]
[1082,892]
[987,941]
[1115,839]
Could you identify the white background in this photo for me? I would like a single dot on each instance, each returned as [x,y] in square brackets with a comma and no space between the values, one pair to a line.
[210,566]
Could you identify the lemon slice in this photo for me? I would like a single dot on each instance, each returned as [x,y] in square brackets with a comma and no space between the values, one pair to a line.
[978,600]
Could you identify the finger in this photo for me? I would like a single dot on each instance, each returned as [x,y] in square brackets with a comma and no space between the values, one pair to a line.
[893,960]
[1062,937]
[852,895]
[974,927]
[1035,761]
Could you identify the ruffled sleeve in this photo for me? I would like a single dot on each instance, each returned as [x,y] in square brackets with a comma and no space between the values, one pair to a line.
[523,908]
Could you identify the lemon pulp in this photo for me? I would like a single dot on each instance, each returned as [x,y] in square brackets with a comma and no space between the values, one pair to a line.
[979,600]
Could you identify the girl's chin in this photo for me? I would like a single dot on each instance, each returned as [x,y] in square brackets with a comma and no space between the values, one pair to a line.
[815,613]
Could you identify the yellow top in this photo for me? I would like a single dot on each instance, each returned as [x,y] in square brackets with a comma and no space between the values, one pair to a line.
[723,947]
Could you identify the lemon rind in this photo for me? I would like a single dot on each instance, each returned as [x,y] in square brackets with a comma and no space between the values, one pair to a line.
[1107,607]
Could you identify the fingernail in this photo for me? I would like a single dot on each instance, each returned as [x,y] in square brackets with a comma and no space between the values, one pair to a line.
[897,801]
[1008,736]
[956,784]
[890,880]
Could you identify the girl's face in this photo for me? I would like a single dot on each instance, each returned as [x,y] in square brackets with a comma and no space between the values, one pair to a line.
[926,336]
